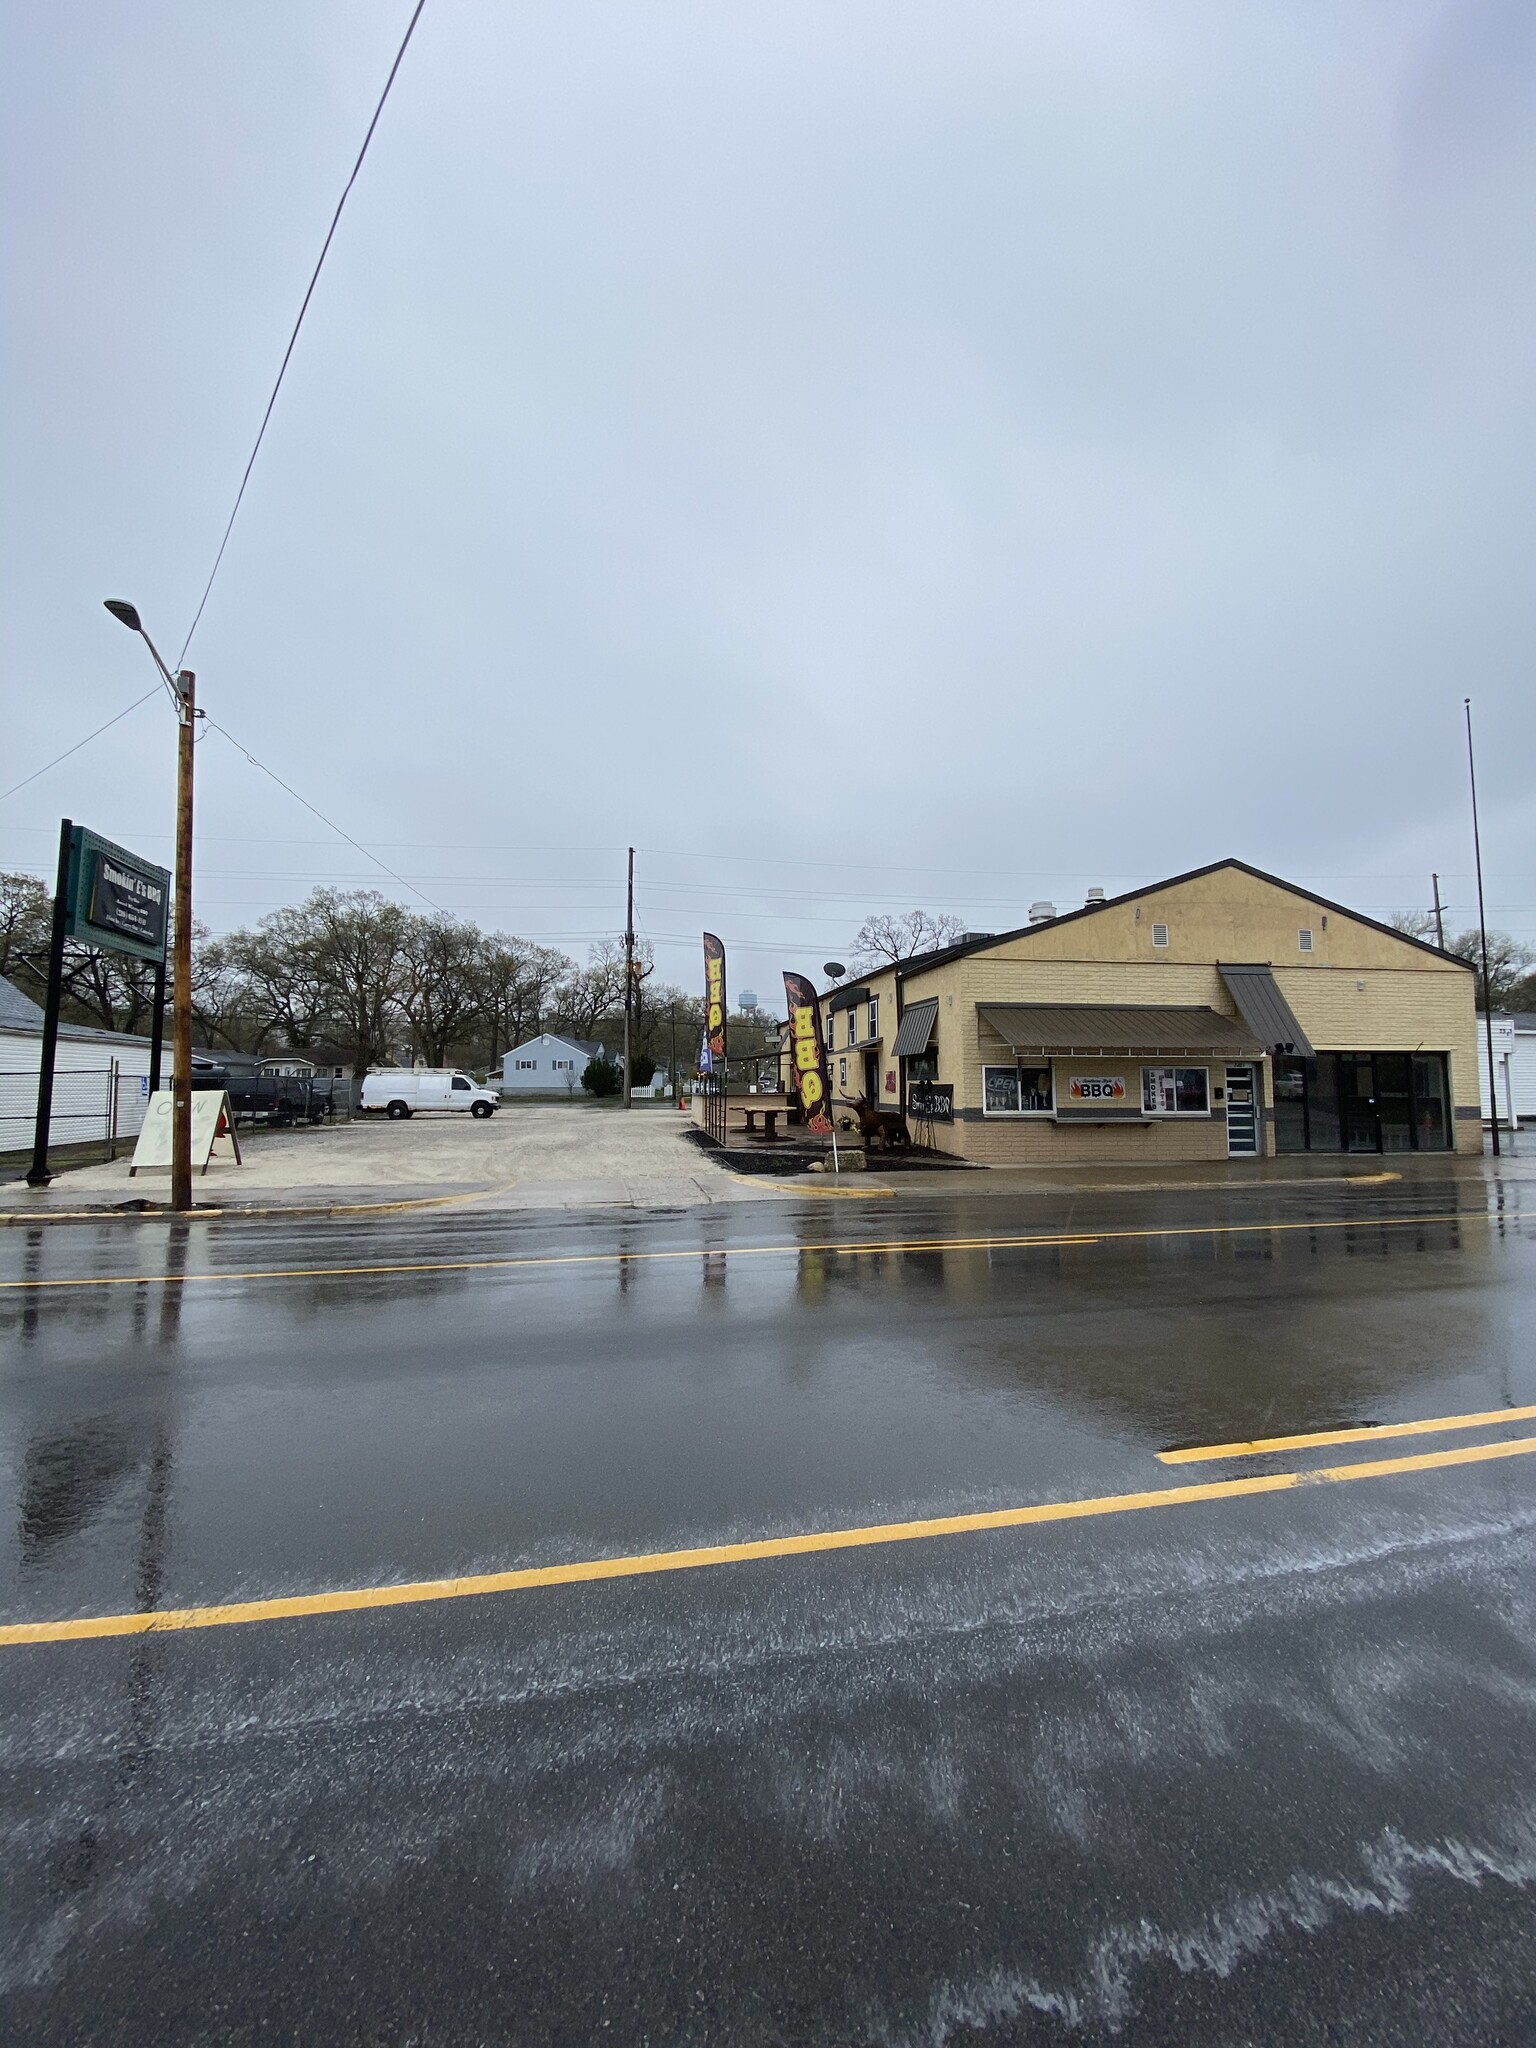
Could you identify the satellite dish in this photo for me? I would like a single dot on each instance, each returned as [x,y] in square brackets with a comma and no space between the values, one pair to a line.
[833,969]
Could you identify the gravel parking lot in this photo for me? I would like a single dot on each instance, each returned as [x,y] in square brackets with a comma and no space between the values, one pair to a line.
[529,1155]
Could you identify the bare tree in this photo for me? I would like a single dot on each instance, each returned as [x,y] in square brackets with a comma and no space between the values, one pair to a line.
[593,992]
[515,982]
[439,993]
[26,931]
[1509,962]
[884,940]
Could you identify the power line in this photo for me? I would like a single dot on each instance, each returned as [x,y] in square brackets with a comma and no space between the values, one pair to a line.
[314,811]
[96,735]
[303,309]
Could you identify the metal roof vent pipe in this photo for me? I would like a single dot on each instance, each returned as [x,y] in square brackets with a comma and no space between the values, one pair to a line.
[1093,899]
[1041,912]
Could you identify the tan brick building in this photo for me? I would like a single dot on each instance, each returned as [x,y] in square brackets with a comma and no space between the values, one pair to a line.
[1222,1013]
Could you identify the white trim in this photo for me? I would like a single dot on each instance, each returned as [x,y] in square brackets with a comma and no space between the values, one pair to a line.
[1017,1115]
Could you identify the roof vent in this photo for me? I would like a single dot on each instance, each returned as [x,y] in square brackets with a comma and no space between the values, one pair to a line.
[974,938]
[1093,898]
[1041,912]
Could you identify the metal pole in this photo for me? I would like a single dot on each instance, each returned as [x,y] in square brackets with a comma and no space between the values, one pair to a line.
[1482,933]
[629,972]
[39,1177]
[1439,915]
[181,965]
[157,1025]
[676,1090]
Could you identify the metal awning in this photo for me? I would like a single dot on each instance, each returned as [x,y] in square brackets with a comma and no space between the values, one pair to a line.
[1264,1009]
[916,1028]
[1113,1028]
[848,998]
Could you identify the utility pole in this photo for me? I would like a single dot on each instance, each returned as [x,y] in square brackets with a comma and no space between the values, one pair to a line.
[1439,914]
[672,1070]
[629,975]
[181,964]
[1482,933]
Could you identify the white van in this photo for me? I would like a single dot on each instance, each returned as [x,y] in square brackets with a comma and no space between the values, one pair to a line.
[401,1093]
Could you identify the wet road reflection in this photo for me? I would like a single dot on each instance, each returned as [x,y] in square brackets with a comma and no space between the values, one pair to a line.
[1177,1722]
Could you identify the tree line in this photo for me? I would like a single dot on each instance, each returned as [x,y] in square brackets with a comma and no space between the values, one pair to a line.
[351,969]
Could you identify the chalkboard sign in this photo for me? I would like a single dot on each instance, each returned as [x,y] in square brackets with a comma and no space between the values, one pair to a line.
[931,1102]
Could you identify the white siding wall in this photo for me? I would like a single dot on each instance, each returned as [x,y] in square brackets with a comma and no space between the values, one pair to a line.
[81,1085]
[1519,1050]
[543,1076]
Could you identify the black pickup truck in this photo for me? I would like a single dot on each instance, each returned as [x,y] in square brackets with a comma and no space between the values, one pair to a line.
[275,1100]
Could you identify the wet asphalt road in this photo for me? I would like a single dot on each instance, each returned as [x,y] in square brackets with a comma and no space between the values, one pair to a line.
[1253,1769]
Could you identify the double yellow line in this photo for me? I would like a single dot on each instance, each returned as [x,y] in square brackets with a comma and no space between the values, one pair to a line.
[645,1564]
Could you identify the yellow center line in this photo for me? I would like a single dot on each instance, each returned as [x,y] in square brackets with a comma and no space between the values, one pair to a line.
[353,1599]
[1317,1438]
[841,1250]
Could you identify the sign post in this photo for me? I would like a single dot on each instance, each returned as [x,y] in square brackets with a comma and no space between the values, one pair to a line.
[103,896]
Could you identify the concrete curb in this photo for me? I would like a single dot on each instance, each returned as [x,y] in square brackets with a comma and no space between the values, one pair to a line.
[16,1220]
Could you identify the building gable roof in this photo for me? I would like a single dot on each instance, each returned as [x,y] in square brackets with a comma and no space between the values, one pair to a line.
[920,963]
[17,1008]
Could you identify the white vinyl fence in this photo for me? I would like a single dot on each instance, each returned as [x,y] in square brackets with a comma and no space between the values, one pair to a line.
[97,1106]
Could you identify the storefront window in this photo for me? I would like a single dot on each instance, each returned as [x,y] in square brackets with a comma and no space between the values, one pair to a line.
[1176,1091]
[1290,1104]
[1394,1106]
[874,1016]
[1017,1091]
[1323,1103]
[1431,1118]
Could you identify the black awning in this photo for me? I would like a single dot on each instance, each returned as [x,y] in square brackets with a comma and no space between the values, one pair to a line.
[1264,1009]
[916,1028]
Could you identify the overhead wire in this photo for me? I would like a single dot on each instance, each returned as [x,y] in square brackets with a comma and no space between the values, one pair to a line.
[293,337]
[315,811]
[96,735]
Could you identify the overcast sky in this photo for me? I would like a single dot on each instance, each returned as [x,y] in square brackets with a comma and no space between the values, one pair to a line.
[863,454]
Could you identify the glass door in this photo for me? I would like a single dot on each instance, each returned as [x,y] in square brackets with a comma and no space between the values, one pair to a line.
[1394,1101]
[1242,1114]
[1361,1126]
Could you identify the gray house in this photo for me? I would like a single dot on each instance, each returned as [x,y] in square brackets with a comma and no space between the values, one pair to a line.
[547,1065]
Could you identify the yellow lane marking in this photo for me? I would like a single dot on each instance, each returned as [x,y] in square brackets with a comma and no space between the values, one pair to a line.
[1318,1437]
[752,1251]
[353,1599]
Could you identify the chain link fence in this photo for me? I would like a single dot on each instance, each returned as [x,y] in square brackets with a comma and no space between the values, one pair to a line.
[92,1106]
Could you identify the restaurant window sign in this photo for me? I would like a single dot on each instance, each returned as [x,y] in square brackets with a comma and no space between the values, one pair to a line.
[115,900]
[1096,1088]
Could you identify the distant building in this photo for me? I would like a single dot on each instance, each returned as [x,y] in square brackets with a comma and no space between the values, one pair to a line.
[100,1077]
[547,1065]
[1514,1066]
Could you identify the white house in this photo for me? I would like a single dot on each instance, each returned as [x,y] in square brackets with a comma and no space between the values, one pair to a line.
[1514,1064]
[547,1065]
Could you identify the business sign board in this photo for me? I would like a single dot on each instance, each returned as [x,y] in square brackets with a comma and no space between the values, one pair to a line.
[1096,1088]
[931,1102]
[807,1052]
[212,1119]
[114,899]
[714,1004]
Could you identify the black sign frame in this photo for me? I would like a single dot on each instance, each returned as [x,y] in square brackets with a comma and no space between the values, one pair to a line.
[931,1102]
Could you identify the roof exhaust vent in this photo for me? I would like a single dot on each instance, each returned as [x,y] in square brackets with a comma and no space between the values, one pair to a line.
[1041,912]
[975,938]
[1093,899]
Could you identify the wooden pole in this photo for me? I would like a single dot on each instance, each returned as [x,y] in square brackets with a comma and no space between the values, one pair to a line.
[181,963]
[1439,914]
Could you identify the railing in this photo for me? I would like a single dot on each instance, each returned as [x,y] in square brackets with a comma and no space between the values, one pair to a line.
[712,1088]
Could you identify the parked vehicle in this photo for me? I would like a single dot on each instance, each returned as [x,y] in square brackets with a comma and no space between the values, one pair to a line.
[399,1093]
[277,1100]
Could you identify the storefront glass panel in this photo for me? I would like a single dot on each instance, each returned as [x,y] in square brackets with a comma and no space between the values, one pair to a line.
[1394,1103]
[1357,1102]
[1290,1104]
[1323,1103]
[1431,1103]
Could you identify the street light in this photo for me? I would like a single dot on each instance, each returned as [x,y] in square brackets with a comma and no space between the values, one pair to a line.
[183,687]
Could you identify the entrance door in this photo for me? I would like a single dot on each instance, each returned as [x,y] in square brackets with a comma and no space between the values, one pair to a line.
[1358,1117]
[1242,1114]
[872,1075]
